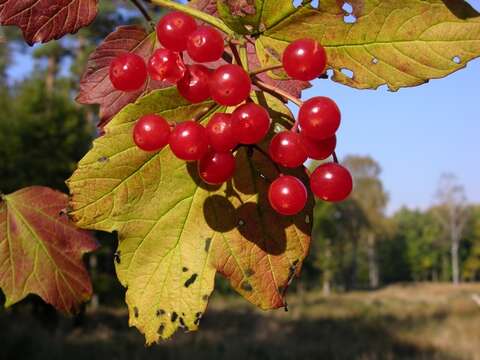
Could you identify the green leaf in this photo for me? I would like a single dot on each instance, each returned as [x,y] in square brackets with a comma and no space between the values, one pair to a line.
[41,250]
[175,232]
[397,43]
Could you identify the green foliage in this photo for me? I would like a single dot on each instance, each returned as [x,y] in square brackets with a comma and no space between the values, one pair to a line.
[42,136]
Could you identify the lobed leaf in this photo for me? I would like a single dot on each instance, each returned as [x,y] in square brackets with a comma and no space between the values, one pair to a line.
[96,87]
[391,43]
[41,250]
[45,20]
[175,232]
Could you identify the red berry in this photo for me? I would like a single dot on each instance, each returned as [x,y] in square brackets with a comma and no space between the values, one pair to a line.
[250,123]
[188,141]
[166,65]
[286,149]
[287,195]
[128,72]
[230,85]
[304,59]
[151,132]
[319,149]
[194,86]
[220,133]
[216,168]
[331,182]
[319,117]
[173,30]
[205,44]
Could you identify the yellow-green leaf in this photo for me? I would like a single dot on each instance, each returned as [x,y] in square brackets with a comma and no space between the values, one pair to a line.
[175,232]
[397,43]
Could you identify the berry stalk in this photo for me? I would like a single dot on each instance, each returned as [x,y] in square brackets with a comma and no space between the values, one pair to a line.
[200,15]
[278,93]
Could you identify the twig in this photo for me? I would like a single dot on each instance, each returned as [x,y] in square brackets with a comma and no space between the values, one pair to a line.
[144,12]
[273,90]
[235,53]
[207,18]
[204,111]
[335,159]
[265,69]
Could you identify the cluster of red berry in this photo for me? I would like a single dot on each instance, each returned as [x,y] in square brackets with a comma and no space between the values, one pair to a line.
[313,135]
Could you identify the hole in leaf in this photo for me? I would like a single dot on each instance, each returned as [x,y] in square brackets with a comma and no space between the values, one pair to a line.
[456,59]
[349,19]
[347,8]
[313,3]
[375,61]
[347,72]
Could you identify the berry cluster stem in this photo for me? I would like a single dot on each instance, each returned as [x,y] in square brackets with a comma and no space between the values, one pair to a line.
[265,69]
[200,15]
[273,90]
[235,53]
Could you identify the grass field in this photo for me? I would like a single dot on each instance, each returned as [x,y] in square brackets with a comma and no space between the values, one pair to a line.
[423,321]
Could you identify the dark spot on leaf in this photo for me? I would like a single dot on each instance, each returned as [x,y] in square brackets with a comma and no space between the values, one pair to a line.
[103,159]
[160,312]
[191,280]
[207,244]
[205,297]
[246,286]
[161,329]
[196,321]
[249,272]
[198,315]
[174,316]
[135,312]
[182,322]
[295,262]
[184,269]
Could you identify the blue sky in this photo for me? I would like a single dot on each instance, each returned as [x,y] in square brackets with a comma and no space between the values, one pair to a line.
[416,134]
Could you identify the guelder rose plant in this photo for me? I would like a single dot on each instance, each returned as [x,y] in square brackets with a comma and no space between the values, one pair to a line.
[200,166]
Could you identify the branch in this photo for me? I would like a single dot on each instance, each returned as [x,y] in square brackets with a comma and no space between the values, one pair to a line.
[235,53]
[209,19]
[144,12]
[335,159]
[273,90]
[265,69]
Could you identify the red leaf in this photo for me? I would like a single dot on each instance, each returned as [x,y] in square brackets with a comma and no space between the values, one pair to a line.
[41,250]
[95,86]
[45,20]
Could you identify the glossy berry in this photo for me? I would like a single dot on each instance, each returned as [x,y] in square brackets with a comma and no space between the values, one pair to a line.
[216,168]
[319,117]
[128,72]
[205,44]
[173,30]
[220,133]
[319,149]
[151,132]
[287,195]
[188,141]
[331,182]
[194,86]
[304,59]
[230,85]
[286,149]
[166,65]
[250,123]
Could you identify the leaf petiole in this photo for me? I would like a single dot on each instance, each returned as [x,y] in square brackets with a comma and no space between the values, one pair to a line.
[209,19]
[275,91]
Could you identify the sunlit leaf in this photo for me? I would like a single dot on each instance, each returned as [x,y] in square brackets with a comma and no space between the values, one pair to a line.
[175,232]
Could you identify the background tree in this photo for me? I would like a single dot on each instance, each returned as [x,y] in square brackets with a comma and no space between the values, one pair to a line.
[453,215]
[372,198]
